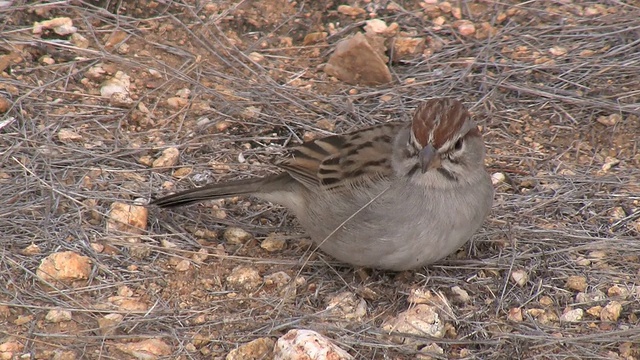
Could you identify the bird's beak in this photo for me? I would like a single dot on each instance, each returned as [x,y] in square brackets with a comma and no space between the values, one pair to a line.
[428,158]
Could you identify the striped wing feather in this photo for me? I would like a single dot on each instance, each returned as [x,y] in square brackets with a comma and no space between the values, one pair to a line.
[343,161]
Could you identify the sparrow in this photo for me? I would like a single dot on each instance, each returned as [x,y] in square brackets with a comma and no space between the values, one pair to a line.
[394,196]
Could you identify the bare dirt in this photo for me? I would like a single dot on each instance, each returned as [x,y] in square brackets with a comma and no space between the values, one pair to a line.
[556,89]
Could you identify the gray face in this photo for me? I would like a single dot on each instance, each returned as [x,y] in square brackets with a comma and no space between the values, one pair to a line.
[462,156]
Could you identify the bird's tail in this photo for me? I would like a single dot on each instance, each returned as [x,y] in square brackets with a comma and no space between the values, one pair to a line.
[219,191]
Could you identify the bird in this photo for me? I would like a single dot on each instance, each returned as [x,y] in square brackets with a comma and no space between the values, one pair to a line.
[394,196]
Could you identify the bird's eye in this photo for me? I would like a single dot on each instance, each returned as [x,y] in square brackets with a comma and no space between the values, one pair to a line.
[458,144]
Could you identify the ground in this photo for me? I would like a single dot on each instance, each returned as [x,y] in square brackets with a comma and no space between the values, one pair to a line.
[555,86]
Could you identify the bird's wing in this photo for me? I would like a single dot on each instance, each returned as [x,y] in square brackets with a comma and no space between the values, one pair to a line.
[343,161]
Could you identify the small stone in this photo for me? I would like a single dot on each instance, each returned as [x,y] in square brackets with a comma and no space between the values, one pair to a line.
[375,26]
[355,61]
[498,178]
[256,57]
[307,344]
[97,247]
[309,136]
[593,296]
[126,303]
[609,163]
[9,348]
[95,72]
[419,320]
[515,314]
[47,60]
[460,294]
[587,53]
[218,167]
[578,283]
[184,93]
[393,6]
[23,319]
[592,11]
[236,236]
[535,312]
[183,265]
[420,296]
[279,279]
[64,266]
[351,10]
[261,348]
[244,277]
[572,315]
[122,100]
[219,214]
[146,160]
[315,37]
[5,104]
[546,301]
[149,349]
[445,7]
[115,38]
[439,21]
[595,311]
[222,125]
[598,255]
[325,124]
[558,51]
[430,352]
[168,158]
[127,218]
[31,250]
[485,31]
[58,315]
[407,48]
[61,25]
[123,49]
[273,242]
[125,291]
[386,98]
[609,120]
[119,83]
[250,112]
[456,12]
[520,277]
[611,312]
[347,305]
[177,102]
[617,213]
[629,350]
[155,73]
[581,261]
[182,172]
[203,122]
[465,27]
[286,41]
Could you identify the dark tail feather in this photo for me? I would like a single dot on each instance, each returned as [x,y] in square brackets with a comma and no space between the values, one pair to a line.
[216,191]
